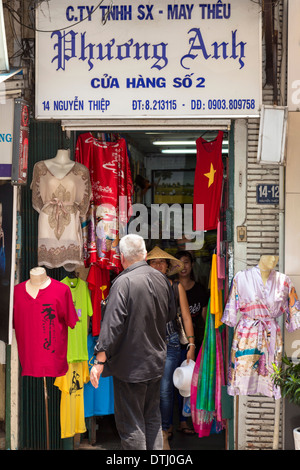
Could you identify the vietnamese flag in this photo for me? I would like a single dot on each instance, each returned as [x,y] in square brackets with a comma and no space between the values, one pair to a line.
[208,183]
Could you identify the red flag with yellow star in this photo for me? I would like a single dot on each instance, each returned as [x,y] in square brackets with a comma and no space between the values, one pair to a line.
[208,183]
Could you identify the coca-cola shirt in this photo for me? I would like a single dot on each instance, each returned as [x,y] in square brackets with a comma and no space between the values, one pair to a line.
[111,205]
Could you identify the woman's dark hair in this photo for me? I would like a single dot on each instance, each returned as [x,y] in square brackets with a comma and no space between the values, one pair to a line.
[182,253]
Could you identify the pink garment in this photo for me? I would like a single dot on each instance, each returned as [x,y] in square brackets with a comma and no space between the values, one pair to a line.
[202,428]
[41,327]
[220,380]
[220,258]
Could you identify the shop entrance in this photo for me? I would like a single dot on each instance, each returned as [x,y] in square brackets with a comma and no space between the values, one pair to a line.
[163,165]
[152,172]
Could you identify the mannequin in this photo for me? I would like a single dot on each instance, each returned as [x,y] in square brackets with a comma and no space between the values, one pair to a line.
[38,280]
[61,164]
[266,264]
[259,296]
[61,192]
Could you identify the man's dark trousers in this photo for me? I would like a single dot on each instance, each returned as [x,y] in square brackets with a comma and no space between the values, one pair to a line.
[137,414]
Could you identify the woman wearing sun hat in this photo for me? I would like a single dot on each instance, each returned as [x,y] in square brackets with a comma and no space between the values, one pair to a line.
[169,265]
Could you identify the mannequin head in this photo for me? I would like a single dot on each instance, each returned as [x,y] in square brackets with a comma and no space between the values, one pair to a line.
[268,262]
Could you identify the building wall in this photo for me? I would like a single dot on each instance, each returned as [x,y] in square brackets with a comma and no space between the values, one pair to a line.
[256,414]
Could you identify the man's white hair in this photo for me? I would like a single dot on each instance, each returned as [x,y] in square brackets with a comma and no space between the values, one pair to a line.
[133,247]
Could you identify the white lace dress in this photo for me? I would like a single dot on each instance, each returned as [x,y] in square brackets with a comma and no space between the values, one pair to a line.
[62,204]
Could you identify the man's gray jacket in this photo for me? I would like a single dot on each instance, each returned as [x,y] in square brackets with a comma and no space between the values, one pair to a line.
[133,330]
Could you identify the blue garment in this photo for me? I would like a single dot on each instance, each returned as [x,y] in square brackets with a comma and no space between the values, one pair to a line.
[98,401]
[166,386]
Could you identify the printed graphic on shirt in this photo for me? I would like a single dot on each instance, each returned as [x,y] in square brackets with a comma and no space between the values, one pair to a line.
[48,327]
[195,309]
[78,311]
[75,386]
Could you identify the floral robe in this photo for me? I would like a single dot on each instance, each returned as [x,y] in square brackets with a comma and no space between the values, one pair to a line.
[62,204]
[111,205]
[257,340]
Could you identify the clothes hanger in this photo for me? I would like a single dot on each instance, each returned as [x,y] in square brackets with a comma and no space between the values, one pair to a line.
[73,275]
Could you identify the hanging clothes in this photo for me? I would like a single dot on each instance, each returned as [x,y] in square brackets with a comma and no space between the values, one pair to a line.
[98,401]
[221,267]
[77,337]
[208,182]
[71,385]
[257,340]
[62,204]
[98,280]
[207,381]
[112,190]
[216,303]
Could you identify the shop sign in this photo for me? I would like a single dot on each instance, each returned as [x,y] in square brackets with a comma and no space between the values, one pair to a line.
[160,59]
[267,194]
[6,137]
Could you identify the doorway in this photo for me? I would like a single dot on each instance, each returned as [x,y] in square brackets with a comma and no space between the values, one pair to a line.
[163,167]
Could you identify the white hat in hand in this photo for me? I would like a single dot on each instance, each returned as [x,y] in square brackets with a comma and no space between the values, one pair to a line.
[182,377]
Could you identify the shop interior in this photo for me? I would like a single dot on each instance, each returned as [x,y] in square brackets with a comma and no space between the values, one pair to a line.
[163,167]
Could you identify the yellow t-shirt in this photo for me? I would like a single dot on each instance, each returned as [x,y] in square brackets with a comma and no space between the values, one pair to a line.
[72,399]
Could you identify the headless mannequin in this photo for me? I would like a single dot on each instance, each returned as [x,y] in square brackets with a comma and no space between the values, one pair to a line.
[61,164]
[38,280]
[266,264]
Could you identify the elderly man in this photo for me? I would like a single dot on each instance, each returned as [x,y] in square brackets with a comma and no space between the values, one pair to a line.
[131,345]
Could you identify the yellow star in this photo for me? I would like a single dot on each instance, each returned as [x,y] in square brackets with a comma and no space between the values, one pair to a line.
[210,175]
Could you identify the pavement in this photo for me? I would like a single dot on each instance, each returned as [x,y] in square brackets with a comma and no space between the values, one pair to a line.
[107,438]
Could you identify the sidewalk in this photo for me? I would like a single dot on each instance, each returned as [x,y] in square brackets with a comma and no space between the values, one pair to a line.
[107,438]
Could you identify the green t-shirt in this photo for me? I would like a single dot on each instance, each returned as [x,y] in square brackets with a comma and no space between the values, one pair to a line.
[77,337]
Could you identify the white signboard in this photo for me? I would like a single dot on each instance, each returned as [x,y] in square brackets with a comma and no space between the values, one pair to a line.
[4,63]
[6,137]
[153,59]
[293,85]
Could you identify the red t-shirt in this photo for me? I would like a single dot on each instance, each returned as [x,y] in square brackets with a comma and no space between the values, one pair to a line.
[208,182]
[99,284]
[41,327]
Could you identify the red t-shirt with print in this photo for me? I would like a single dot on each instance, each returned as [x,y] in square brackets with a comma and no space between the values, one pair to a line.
[41,327]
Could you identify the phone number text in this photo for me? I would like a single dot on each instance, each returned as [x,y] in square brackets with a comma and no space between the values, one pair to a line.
[196,104]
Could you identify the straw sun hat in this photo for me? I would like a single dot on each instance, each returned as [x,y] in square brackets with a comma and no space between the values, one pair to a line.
[175,264]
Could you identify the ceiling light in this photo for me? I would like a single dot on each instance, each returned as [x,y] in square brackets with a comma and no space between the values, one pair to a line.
[174,142]
[194,151]
[180,142]
[179,151]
